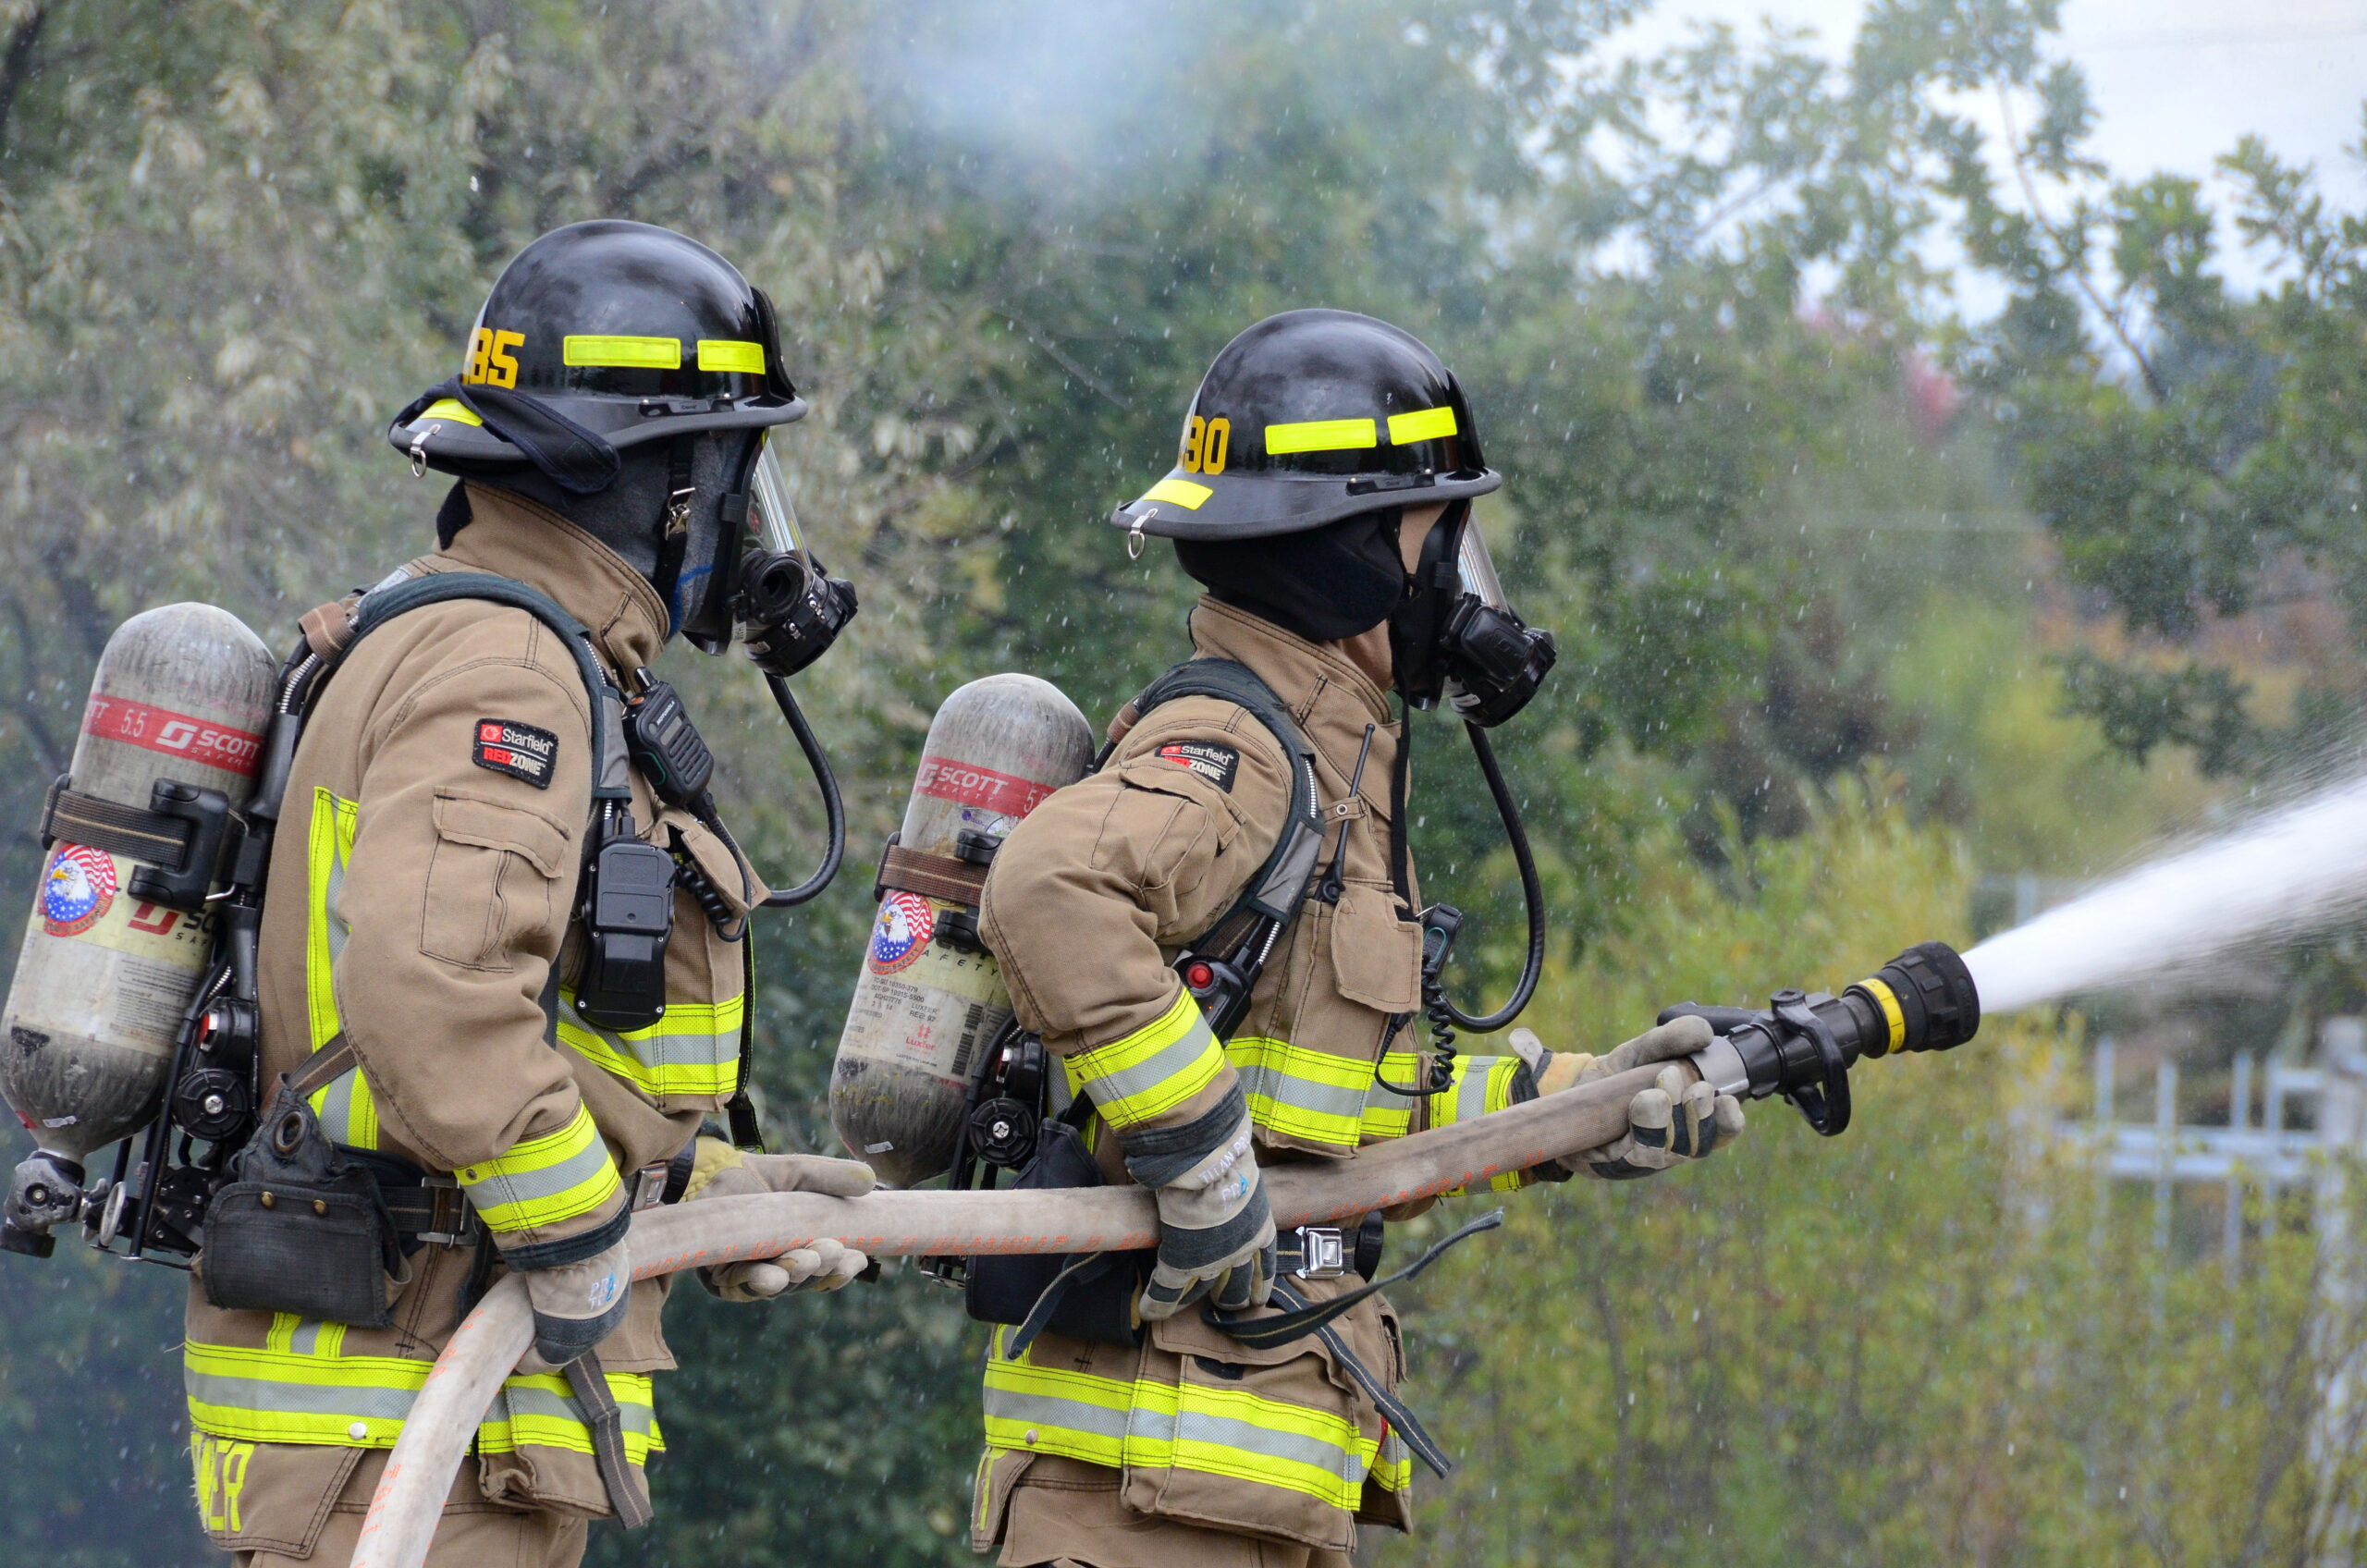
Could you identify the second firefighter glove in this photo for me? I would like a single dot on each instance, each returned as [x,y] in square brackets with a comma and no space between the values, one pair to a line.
[720,1170]
[577,1305]
[1670,1123]
[1215,1230]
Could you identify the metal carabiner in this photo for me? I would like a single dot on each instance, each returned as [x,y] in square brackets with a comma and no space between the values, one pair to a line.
[1134,534]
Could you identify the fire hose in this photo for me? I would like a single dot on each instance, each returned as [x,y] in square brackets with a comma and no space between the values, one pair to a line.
[1801,1048]
[444,1417]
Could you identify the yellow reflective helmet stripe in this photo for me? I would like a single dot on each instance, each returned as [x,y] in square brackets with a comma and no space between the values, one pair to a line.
[544,1181]
[693,1050]
[728,354]
[452,409]
[1153,1070]
[1321,435]
[622,353]
[1424,424]
[1179,492]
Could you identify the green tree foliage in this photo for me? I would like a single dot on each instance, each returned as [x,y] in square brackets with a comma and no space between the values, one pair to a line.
[2194,454]
[1007,237]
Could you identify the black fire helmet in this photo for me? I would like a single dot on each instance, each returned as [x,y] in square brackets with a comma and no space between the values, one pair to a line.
[598,336]
[1308,418]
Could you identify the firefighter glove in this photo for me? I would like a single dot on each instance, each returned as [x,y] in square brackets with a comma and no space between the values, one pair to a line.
[721,1171]
[1670,1123]
[1215,1230]
[577,1305]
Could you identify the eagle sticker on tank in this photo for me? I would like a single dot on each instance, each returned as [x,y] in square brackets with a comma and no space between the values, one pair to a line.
[519,750]
[76,890]
[905,924]
[1216,763]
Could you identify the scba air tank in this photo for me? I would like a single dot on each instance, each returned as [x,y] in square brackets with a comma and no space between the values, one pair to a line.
[931,997]
[183,694]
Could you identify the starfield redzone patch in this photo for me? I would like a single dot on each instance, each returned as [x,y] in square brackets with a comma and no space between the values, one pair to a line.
[519,750]
[1216,763]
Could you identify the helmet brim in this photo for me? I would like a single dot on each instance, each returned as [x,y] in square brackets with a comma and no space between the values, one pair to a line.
[1256,506]
[618,420]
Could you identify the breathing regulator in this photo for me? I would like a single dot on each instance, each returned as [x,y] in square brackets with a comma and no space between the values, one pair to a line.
[133,1017]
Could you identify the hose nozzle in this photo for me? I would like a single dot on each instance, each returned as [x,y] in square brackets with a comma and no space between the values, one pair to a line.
[1803,1046]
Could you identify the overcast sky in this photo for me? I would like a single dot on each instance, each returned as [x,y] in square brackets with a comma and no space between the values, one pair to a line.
[2175,81]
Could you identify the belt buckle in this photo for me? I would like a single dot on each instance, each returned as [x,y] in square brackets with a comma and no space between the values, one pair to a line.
[452,1222]
[1322,1253]
[649,1185]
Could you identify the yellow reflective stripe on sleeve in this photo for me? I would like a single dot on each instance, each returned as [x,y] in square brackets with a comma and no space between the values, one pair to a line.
[623,353]
[541,1410]
[1151,1071]
[544,1181]
[1321,435]
[693,1050]
[1304,1092]
[1425,424]
[1224,1430]
[328,848]
[1482,1085]
[452,409]
[723,353]
[1181,492]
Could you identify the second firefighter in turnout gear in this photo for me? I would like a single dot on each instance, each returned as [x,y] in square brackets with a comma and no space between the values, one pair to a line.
[1323,496]
[465,961]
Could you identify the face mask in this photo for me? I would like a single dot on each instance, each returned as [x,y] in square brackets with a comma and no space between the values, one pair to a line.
[1325,584]
[1456,637]
[711,540]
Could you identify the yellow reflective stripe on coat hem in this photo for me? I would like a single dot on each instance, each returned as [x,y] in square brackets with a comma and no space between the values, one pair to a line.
[1303,1093]
[545,1181]
[693,1050]
[1148,1424]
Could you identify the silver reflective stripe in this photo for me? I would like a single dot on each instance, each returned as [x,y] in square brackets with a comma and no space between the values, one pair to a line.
[526,1400]
[339,930]
[354,1400]
[1263,1079]
[1046,1410]
[1170,1062]
[698,1051]
[501,1189]
[1228,1431]
[337,1110]
[1471,1094]
[306,1340]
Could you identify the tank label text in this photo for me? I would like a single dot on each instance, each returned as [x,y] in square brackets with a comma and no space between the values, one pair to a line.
[175,734]
[967,784]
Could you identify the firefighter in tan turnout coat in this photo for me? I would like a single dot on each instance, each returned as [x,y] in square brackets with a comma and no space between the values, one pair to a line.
[1323,499]
[427,969]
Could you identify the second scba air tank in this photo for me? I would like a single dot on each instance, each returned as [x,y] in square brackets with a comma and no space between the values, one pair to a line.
[931,997]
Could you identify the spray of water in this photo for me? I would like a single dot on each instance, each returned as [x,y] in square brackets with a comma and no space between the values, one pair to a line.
[2291,870]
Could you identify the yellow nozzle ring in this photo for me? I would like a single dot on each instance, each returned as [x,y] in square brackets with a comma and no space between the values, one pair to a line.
[1884,994]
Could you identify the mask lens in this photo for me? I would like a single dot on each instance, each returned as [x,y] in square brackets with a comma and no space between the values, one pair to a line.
[1479,570]
[775,519]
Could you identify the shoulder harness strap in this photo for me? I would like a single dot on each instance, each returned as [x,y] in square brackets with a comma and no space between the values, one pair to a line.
[1281,885]
[611,779]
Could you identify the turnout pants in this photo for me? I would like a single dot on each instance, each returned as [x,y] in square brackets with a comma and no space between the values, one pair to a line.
[472,1534]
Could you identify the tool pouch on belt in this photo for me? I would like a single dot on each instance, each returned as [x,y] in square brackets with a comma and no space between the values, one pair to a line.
[1089,1296]
[301,1227]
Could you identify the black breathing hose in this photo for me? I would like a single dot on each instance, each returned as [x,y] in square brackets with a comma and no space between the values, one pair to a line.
[833,808]
[1531,890]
